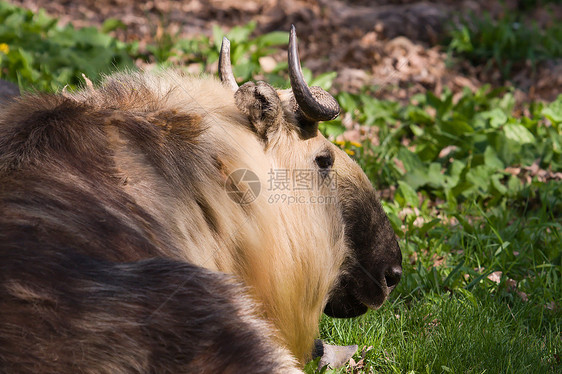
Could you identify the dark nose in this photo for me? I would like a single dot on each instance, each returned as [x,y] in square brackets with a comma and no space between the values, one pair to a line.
[392,276]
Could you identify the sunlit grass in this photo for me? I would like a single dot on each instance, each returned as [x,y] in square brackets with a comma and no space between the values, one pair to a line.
[458,333]
[453,316]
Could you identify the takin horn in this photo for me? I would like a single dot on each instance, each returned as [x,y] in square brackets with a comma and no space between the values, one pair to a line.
[225,68]
[315,104]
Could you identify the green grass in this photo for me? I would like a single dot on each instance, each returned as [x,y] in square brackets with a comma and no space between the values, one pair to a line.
[462,214]
[454,333]
[450,317]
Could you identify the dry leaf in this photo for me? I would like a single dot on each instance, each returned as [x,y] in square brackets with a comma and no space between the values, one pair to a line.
[495,276]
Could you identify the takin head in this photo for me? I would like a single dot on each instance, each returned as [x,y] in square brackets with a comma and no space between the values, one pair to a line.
[371,266]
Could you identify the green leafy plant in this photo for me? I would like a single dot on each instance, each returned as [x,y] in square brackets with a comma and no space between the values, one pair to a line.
[204,52]
[38,54]
[504,43]
[456,151]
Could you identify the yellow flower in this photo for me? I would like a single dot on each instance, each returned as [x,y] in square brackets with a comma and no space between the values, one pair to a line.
[349,152]
[5,48]
[343,143]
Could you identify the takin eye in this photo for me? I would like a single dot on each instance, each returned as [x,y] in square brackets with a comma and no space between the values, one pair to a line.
[324,161]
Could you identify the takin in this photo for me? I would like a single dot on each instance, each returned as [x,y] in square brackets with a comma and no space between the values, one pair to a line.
[162,223]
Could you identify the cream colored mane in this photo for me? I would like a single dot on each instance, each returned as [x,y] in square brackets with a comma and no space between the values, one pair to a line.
[289,256]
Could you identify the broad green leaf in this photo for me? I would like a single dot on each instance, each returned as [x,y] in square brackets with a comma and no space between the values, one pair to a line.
[332,128]
[417,130]
[496,117]
[455,127]
[237,53]
[507,102]
[428,152]
[375,109]
[410,160]
[274,38]
[518,133]
[91,36]
[307,74]
[324,80]
[491,159]
[514,185]
[453,175]
[418,115]
[433,100]
[218,34]
[241,34]
[416,178]
[554,111]
[479,177]
[347,102]
[408,194]
[244,70]
[435,175]
[496,183]
[112,24]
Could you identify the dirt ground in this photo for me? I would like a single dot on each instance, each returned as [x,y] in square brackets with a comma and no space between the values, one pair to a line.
[391,44]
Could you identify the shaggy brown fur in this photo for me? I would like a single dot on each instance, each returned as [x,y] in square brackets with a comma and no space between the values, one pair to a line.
[116,229]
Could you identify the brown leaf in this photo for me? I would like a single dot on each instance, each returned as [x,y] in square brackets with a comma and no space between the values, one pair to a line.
[523,296]
[495,276]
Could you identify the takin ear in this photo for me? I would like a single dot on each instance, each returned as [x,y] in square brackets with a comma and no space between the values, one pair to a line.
[261,103]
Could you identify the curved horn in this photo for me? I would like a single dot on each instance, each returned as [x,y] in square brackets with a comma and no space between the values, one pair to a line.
[225,69]
[315,104]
